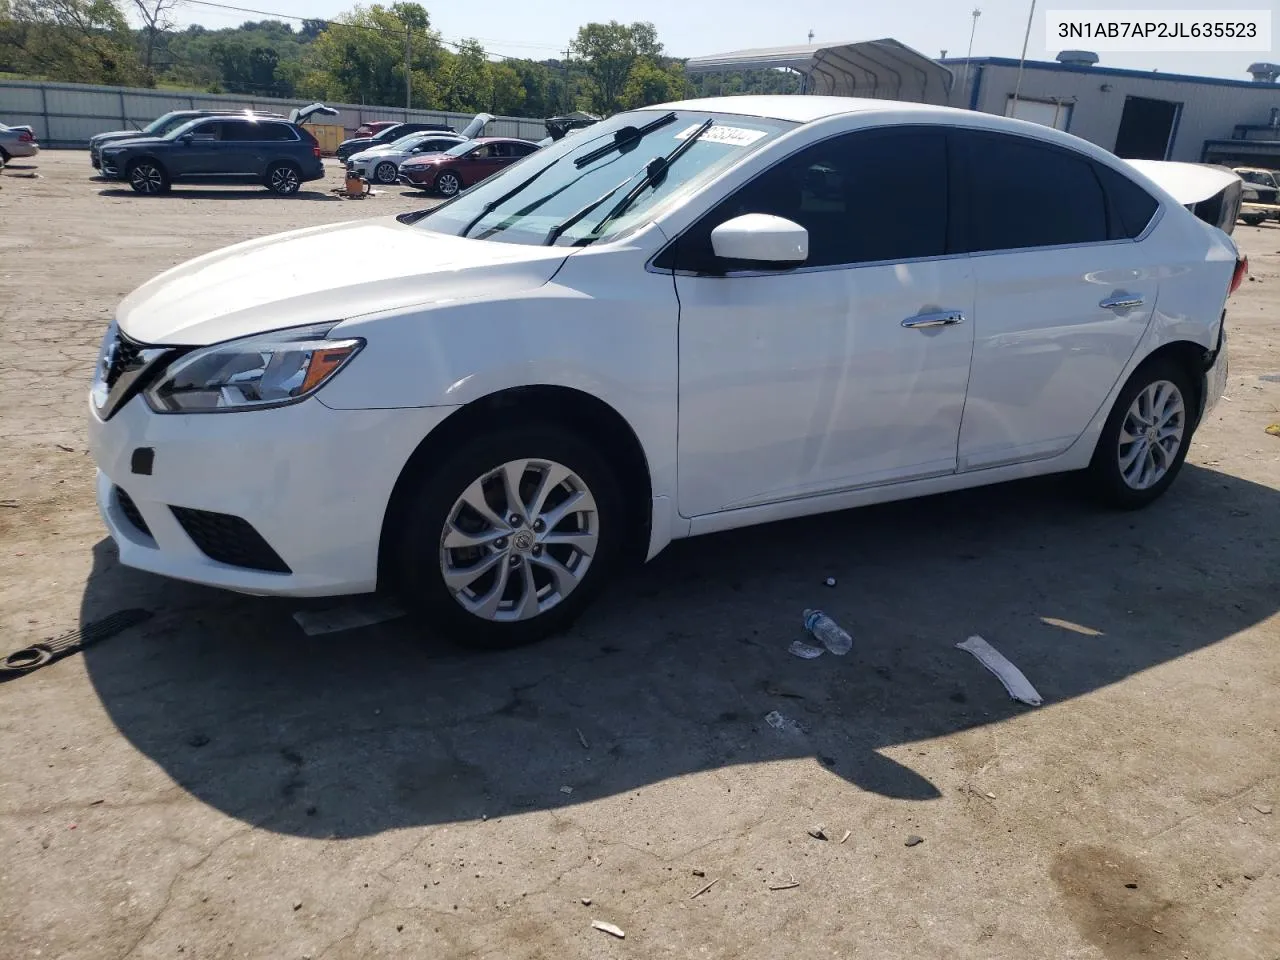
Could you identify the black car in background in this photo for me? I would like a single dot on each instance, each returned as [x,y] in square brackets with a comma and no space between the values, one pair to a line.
[349,148]
[228,149]
[158,127]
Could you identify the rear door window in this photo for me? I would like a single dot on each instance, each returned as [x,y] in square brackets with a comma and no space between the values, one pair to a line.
[1021,193]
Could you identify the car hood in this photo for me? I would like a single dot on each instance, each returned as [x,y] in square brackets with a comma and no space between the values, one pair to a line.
[327,273]
[375,152]
[137,142]
[426,159]
[99,138]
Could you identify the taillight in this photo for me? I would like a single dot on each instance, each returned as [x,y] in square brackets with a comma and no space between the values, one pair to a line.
[315,149]
[25,137]
[1242,270]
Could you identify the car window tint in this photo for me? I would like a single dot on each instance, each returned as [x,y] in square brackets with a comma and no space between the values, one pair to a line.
[238,131]
[1022,193]
[1131,205]
[522,149]
[207,131]
[863,197]
[273,132]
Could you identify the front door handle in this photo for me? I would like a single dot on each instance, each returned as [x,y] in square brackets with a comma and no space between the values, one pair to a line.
[926,321]
[1121,301]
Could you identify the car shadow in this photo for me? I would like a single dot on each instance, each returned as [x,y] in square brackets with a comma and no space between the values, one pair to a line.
[215,193]
[675,669]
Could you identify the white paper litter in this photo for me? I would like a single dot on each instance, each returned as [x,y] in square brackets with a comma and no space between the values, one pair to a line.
[349,616]
[1014,680]
[804,651]
[609,928]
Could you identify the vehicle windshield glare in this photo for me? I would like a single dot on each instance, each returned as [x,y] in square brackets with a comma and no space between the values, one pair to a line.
[558,190]
[404,143]
[462,149]
[161,123]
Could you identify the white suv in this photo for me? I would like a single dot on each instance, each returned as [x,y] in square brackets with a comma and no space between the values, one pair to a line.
[680,320]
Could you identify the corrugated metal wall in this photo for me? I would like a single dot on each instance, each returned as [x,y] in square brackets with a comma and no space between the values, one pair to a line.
[67,114]
[1209,110]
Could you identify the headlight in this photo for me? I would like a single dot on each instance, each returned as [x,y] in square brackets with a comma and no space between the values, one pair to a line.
[268,370]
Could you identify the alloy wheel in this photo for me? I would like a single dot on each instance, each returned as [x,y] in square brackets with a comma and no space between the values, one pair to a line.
[448,184]
[146,178]
[519,540]
[1151,434]
[285,180]
[386,172]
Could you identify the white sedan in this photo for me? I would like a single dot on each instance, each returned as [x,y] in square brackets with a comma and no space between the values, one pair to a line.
[684,319]
[382,164]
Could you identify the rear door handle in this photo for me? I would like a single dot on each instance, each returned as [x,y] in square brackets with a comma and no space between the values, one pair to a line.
[1120,301]
[926,321]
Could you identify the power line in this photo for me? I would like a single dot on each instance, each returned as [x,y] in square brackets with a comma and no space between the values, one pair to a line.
[457,44]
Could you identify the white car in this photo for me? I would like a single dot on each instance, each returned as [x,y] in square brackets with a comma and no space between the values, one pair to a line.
[684,319]
[382,164]
[17,142]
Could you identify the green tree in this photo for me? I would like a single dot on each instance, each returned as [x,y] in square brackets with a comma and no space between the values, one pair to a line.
[607,52]
[649,83]
[509,94]
[465,82]
[361,57]
[80,41]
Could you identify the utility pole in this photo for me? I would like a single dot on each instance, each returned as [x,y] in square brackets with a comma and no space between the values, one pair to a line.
[1017,87]
[964,82]
[408,71]
[811,35]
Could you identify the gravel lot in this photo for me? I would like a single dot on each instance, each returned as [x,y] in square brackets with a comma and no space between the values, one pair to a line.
[216,784]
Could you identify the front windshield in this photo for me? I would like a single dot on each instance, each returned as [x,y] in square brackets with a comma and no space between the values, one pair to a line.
[160,124]
[495,210]
[184,127]
[465,147]
[1255,176]
[404,143]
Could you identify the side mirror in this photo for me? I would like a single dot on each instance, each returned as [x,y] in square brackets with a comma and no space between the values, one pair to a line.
[186,138]
[761,238]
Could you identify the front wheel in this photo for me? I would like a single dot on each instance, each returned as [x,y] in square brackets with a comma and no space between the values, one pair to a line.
[1253,221]
[148,177]
[507,541]
[283,179]
[1145,439]
[385,172]
[448,183]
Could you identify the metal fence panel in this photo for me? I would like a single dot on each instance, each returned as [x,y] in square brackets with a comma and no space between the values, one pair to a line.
[67,114]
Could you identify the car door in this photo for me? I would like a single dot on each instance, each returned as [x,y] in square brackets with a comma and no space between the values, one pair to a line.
[240,152]
[194,154]
[847,371]
[480,163]
[273,141]
[1065,291]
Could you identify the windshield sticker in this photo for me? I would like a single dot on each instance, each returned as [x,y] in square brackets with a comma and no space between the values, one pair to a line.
[735,136]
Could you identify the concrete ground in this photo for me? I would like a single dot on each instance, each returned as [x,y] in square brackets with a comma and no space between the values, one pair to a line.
[215,784]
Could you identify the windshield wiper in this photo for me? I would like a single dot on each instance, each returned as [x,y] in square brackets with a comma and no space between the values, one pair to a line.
[655,171]
[556,232]
[624,138]
[492,205]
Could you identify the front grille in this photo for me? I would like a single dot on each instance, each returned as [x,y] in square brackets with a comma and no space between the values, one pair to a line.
[125,368]
[230,540]
[131,512]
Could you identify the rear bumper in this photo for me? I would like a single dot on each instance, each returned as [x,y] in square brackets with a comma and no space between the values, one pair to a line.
[1215,377]
[17,150]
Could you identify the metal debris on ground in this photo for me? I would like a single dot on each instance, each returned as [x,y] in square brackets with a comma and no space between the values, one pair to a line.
[818,833]
[586,901]
[349,616]
[789,885]
[699,873]
[1015,682]
[847,835]
[803,650]
[705,889]
[42,654]
[566,790]
[914,841]
[1263,808]
[785,724]
[609,928]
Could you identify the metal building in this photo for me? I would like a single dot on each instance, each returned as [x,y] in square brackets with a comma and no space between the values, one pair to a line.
[1136,114]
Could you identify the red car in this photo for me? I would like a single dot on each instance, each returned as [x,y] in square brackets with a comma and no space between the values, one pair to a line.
[374,128]
[465,165]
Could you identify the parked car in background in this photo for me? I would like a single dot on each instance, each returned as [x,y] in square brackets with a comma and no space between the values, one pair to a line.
[17,142]
[464,165]
[382,164]
[349,148]
[235,149]
[653,330]
[158,127]
[1261,195]
[374,127]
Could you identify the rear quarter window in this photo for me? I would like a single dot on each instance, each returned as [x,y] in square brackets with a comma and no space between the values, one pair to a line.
[1131,206]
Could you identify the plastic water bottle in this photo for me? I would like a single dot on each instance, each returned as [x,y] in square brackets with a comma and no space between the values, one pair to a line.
[828,631]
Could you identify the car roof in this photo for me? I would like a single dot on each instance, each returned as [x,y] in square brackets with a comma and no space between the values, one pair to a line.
[500,140]
[798,109]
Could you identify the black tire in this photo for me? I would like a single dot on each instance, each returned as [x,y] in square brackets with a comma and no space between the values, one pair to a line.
[283,179]
[1252,221]
[448,183]
[4,156]
[386,172]
[148,177]
[1106,472]
[417,550]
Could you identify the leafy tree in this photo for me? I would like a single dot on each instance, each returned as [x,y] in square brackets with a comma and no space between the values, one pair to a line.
[608,51]
[509,92]
[156,19]
[361,58]
[466,83]
[81,41]
[649,83]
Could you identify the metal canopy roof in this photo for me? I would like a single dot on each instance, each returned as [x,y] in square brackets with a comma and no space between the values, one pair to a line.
[885,69]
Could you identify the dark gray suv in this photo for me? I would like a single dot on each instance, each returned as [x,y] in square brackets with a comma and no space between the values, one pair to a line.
[232,149]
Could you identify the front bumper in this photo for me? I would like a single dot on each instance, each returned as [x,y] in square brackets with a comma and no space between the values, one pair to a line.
[313,482]
[1269,210]
[417,176]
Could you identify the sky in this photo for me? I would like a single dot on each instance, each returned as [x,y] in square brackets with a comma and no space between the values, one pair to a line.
[522,28]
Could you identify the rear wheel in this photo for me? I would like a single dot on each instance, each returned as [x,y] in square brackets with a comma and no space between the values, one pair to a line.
[448,183]
[508,539]
[1252,219]
[4,156]
[148,177]
[385,172]
[1145,440]
[284,179]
